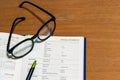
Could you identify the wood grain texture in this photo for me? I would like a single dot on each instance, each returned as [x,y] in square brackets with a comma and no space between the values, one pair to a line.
[97,20]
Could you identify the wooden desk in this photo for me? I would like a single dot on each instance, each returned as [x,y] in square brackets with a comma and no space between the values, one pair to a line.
[97,20]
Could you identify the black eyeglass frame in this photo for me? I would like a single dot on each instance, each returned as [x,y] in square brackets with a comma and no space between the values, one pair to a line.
[16,22]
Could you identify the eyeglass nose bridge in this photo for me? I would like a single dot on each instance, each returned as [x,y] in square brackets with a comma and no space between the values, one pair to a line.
[35,38]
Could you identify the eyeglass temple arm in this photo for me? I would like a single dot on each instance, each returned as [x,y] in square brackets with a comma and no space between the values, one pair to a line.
[35,6]
[15,22]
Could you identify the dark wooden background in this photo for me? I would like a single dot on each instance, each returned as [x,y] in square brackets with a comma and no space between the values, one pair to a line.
[97,20]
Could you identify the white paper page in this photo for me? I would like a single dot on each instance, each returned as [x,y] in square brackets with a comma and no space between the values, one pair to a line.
[58,58]
[2,78]
[9,69]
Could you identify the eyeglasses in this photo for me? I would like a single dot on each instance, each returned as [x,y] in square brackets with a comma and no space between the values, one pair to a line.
[25,46]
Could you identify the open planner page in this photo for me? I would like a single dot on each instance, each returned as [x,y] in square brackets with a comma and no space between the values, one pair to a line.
[58,58]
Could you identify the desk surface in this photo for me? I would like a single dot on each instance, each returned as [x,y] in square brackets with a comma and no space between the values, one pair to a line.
[97,20]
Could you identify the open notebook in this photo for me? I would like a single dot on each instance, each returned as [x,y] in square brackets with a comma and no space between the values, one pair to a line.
[58,58]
